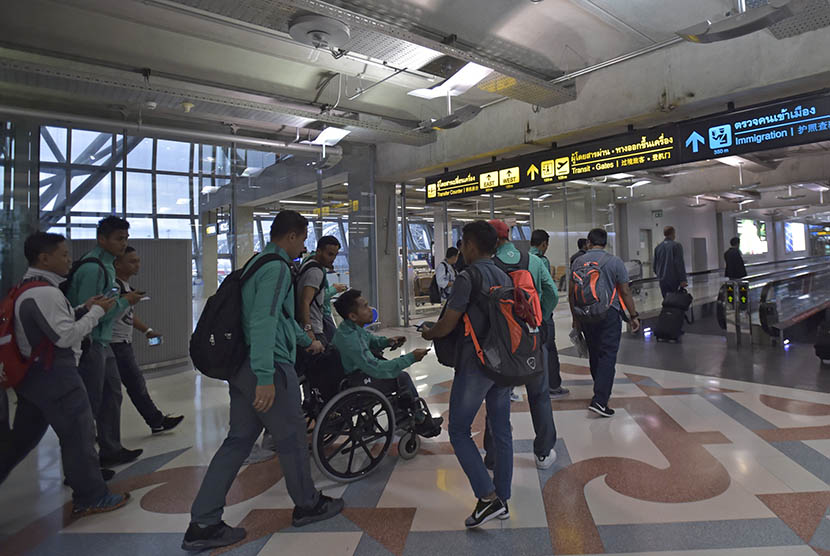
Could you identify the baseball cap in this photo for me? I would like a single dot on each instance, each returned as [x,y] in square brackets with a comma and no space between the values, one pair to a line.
[502,231]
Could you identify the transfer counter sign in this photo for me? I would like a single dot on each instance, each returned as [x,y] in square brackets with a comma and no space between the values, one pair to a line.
[781,124]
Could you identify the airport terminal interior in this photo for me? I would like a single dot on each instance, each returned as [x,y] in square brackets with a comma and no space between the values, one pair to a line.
[391,125]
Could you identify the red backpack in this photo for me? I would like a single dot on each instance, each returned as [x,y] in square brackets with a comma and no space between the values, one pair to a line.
[13,366]
[527,304]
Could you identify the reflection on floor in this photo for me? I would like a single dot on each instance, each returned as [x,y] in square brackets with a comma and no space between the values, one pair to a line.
[689,465]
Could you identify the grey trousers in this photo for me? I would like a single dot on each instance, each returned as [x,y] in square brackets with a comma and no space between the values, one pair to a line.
[99,371]
[57,398]
[285,422]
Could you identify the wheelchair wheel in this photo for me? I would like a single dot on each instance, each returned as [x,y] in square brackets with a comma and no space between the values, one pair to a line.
[409,445]
[353,433]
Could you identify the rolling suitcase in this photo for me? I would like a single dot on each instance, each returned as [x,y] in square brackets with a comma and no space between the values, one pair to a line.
[669,324]
[680,299]
[822,344]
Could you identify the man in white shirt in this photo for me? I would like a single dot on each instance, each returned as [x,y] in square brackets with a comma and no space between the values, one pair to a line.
[127,266]
[48,331]
[445,273]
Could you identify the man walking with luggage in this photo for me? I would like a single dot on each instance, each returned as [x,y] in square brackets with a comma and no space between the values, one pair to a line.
[509,259]
[604,333]
[98,367]
[265,392]
[668,263]
[539,242]
[127,266]
[735,269]
[51,392]
[470,386]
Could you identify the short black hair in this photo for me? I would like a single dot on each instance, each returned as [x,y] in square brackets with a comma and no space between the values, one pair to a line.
[129,249]
[734,241]
[286,222]
[452,252]
[538,237]
[40,242]
[482,234]
[325,241]
[458,244]
[598,237]
[107,226]
[347,303]
[582,243]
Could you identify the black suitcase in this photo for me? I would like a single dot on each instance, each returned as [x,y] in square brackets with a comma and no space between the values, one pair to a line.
[669,324]
[679,300]
[822,344]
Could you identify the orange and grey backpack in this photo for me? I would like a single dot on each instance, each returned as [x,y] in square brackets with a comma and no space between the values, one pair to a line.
[592,298]
[510,351]
[526,297]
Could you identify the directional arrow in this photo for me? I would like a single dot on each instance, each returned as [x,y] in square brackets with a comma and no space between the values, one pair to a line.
[695,140]
[532,171]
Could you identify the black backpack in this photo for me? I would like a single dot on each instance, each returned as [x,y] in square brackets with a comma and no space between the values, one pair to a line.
[434,290]
[305,267]
[64,287]
[217,346]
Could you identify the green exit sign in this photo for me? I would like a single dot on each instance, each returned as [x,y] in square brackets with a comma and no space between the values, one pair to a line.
[657,214]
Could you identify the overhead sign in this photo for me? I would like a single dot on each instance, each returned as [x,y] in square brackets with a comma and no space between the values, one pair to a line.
[781,124]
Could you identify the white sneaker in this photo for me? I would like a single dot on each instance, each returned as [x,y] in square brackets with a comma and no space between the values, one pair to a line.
[515,396]
[544,462]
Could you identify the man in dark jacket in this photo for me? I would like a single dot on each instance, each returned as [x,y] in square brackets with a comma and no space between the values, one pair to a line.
[582,245]
[668,263]
[735,269]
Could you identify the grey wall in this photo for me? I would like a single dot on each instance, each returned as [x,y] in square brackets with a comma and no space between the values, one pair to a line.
[166,276]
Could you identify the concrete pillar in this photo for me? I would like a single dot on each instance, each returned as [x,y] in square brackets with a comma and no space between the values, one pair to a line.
[243,218]
[440,232]
[209,256]
[386,232]
[363,271]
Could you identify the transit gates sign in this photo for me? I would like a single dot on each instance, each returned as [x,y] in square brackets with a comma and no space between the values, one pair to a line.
[781,124]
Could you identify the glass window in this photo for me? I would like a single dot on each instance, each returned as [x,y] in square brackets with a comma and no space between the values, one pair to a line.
[76,232]
[139,193]
[141,228]
[223,161]
[223,268]
[172,156]
[174,228]
[420,236]
[141,157]
[172,194]
[90,147]
[119,192]
[58,136]
[222,244]
[97,199]
[311,239]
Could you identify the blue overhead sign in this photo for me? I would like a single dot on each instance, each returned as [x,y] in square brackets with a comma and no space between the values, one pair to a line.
[781,124]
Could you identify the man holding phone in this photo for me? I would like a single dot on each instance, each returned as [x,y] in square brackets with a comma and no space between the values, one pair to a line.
[127,266]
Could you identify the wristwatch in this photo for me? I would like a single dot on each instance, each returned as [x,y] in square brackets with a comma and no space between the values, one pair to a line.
[307,328]
[148,332]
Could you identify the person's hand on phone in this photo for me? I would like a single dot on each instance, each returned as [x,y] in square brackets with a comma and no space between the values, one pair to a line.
[419,354]
[315,347]
[105,303]
[154,334]
[133,297]
[340,287]
[397,341]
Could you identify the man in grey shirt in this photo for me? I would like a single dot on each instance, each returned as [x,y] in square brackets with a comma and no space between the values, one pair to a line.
[603,337]
[668,263]
[312,285]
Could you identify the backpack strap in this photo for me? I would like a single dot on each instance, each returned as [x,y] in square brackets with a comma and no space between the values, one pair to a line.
[309,264]
[248,273]
[86,260]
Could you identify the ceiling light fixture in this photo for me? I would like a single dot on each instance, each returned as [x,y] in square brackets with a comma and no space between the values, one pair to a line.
[329,137]
[640,182]
[464,79]
[621,176]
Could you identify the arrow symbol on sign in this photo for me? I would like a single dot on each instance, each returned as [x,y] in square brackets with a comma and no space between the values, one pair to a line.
[532,171]
[695,140]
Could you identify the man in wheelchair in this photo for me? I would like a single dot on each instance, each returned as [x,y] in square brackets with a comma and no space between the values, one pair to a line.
[358,353]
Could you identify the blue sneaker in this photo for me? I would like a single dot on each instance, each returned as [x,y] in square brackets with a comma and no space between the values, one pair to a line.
[107,503]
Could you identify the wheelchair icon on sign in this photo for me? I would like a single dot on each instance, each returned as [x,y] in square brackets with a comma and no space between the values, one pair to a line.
[720,137]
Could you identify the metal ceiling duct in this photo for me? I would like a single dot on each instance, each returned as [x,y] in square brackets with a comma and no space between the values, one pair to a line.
[739,24]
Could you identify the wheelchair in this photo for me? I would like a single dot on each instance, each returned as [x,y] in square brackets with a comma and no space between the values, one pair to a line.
[353,419]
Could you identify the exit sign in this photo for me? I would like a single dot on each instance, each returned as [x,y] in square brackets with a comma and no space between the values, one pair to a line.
[657,214]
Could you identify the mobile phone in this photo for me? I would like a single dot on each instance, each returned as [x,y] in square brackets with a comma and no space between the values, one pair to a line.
[145,298]
[155,341]
[113,293]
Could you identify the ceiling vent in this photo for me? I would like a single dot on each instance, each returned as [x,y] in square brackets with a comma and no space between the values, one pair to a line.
[319,31]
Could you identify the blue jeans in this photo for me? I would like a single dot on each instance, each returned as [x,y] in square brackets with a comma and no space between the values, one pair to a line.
[603,339]
[469,389]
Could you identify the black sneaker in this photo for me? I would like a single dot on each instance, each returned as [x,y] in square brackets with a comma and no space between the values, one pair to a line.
[603,410]
[484,512]
[430,428]
[506,514]
[124,456]
[325,508]
[212,536]
[169,422]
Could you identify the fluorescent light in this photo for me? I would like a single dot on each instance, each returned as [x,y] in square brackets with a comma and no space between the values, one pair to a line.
[621,176]
[639,183]
[522,213]
[208,189]
[346,184]
[497,196]
[415,208]
[182,201]
[543,197]
[421,189]
[308,215]
[524,198]
[329,137]
[456,210]
[289,202]
[464,79]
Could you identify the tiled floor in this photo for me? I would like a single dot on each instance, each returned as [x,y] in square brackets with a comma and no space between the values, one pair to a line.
[691,464]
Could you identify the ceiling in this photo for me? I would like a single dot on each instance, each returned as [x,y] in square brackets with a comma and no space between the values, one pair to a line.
[237,65]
